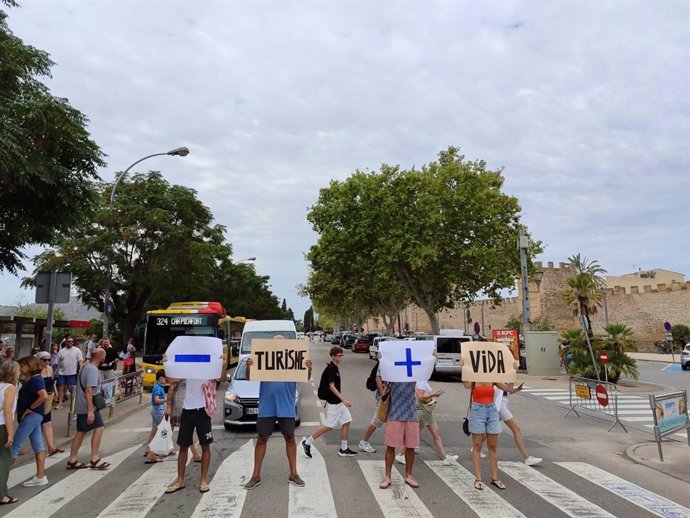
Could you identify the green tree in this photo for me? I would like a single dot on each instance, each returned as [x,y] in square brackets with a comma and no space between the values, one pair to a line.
[681,334]
[154,245]
[436,236]
[38,312]
[538,324]
[618,342]
[576,343]
[47,160]
[584,292]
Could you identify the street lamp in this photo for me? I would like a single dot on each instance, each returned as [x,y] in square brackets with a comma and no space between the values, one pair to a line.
[178,151]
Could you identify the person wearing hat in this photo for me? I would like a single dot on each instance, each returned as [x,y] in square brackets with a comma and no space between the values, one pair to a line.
[49,379]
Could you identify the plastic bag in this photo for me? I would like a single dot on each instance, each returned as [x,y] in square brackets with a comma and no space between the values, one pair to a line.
[162,442]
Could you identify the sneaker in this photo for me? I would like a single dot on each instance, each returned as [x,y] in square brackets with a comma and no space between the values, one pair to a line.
[400,459]
[252,483]
[307,448]
[365,446]
[533,461]
[347,453]
[36,482]
[418,450]
[481,453]
[296,481]
[449,459]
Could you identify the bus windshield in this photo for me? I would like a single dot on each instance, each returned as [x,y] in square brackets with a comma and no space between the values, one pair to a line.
[251,335]
[161,330]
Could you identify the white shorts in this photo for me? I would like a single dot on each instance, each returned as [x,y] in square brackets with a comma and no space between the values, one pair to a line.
[337,415]
[503,413]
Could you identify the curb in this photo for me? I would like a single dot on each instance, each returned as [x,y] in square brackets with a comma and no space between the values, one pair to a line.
[630,453]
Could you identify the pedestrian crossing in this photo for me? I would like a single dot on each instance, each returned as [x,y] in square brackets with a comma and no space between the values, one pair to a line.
[132,490]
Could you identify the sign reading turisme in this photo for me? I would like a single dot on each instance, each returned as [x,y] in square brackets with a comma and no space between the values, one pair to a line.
[279,360]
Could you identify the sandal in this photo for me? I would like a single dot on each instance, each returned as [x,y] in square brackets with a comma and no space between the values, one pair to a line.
[498,484]
[204,488]
[99,464]
[10,500]
[478,484]
[54,451]
[76,465]
[175,487]
[152,461]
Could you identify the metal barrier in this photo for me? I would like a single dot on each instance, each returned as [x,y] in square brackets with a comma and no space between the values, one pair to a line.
[115,390]
[595,396]
[670,415]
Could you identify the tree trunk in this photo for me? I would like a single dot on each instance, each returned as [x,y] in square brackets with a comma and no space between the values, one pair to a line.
[433,320]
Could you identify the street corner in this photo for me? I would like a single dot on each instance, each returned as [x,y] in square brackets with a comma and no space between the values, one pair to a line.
[632,386]
[558,381]
[676,454]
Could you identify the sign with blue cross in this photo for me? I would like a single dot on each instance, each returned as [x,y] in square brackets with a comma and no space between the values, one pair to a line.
[406,360]
[194,357]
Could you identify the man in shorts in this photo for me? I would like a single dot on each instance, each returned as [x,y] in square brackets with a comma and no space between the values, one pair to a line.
[337,413]
[89,418]
[70,359]
[402,430]
[276,403]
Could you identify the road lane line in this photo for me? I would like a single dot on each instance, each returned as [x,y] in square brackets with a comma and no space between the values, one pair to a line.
[26,471]
[557,495]
[315,500]
[52,499]
[227,494]
[399,499]
[633,493]
[138,499]
[461,481]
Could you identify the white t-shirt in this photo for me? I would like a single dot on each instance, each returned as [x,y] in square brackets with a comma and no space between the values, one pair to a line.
[68,360]
[3,388]
[194,395]
[424,385]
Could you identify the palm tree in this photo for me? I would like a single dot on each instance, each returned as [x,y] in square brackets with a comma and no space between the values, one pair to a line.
[618,342]
[584,291]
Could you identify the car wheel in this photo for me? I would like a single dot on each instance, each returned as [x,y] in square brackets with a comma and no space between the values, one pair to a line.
[684,366]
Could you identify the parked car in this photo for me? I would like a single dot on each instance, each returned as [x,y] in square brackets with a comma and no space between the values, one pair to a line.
[685,358]
[374,347]
[348,341]
[328,337]
[448,349]
[241,403]
[336,338]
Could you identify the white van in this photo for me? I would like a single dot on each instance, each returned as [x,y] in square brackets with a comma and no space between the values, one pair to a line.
[448,347]
[265,329]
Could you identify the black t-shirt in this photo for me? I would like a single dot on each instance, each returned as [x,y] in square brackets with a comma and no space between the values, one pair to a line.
[333,376]
[110,361]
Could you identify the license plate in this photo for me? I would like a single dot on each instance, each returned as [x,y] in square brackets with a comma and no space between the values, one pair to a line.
[251,411]
[444,362]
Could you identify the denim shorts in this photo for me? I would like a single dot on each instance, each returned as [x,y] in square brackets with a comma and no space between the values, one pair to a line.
[67,379]
[29,428]
[484,419]
[156,418]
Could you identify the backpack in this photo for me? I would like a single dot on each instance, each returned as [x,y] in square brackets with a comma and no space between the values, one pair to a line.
[324,390]
[371,380]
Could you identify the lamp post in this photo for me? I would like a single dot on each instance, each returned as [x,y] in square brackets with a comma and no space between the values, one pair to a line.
[179,151]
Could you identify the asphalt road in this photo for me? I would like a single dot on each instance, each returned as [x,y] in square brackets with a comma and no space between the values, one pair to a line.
[669,375]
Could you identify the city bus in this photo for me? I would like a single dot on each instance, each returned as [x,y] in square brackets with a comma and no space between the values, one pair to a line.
[233,327]
[179,319]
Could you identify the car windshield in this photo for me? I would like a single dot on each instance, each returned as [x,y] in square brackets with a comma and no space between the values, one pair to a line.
[241,371]
[251,335]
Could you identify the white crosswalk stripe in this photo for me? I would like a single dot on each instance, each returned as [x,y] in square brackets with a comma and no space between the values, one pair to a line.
[317,500]
[26,471]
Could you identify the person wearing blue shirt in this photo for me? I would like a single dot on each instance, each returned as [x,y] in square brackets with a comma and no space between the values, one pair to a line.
[276,403]
[158,400]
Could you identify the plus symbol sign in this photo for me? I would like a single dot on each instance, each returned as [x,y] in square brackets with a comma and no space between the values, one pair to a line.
[408,362]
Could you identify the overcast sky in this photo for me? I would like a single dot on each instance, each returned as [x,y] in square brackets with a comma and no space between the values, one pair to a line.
[585,104]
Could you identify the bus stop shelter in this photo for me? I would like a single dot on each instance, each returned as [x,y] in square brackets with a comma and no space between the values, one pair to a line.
[26,332]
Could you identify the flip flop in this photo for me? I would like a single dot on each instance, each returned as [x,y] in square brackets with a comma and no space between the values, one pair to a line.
[153,461]
[498,484]
[203,488]
[10,500]
[478,484]
[174,488]
[197,460]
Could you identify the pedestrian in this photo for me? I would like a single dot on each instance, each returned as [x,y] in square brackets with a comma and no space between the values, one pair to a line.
[337,413]
[30,406]
[89,417]
[402,430]
[157,413]
[70,360]
[194,416]
[9,377]
[91,344]
[109,365]
[426,401]
[47,423]
[176,394]
[376,423]
[276,404]
[484,424]
[507,417]
[129,357]
[35,350]
[9,354]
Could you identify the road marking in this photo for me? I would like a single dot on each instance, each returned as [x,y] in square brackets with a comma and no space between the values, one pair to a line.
[141,430]
[559,496]
[399,499]
[52,499]
[638,419]
[316,499]
[138,499]
[26,471]
[566,397]
[310,423]
[633,493]
[461,481]
[227,494]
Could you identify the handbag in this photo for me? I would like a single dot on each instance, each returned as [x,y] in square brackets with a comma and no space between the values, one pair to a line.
[162,442]
[383,406]
[98,398]
[466,421]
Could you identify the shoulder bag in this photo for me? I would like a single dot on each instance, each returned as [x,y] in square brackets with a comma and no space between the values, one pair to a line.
[466,421]
[383,406]
[97,398]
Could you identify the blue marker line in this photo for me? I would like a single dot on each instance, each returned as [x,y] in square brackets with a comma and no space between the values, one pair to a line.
[192,358]
[408,362]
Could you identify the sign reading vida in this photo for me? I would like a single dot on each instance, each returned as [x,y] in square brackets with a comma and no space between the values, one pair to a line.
[279,360]
[490,362]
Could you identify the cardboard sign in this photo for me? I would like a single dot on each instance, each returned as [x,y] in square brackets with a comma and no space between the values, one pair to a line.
[279,360]
[403,360]
[194,357]
[510,337]
[489,362]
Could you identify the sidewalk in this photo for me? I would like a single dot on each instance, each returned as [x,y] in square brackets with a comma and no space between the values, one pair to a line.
[656,357]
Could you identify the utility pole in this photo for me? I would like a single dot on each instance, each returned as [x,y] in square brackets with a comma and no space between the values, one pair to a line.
[523,244]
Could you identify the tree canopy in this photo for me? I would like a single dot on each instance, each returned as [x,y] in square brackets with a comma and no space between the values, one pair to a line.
[436,236]
[47,159]
[584,292]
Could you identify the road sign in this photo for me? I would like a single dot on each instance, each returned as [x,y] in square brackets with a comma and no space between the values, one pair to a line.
[603,357]
[63,283]
[667,326]
[602,395]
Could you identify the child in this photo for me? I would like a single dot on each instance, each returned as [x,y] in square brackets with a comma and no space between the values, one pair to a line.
[157,413]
